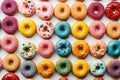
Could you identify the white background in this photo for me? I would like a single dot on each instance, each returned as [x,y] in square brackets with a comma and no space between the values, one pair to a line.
[37,39]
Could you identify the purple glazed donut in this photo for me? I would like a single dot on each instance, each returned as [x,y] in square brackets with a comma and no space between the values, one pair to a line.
[10,25]
[113,69]
[9,7]
[96,10]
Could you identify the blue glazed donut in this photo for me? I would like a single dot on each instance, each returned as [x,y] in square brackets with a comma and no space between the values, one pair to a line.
[63,48]
[114,48]
[62,29]
[97,68]
[28,69]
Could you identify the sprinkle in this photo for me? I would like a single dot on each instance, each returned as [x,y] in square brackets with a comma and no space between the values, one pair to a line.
[41,25]
[29,1]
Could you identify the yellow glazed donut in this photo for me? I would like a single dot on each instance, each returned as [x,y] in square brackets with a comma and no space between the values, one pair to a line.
[46,68]
[80,48]
[79,10]
[27,27]
[80,30]
[80,68]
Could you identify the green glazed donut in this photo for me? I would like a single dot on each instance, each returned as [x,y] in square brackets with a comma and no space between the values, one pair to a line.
[63,66]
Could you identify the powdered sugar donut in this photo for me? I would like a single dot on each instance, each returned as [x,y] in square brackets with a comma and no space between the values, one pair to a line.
[45,30]
[44,11]
[27,7]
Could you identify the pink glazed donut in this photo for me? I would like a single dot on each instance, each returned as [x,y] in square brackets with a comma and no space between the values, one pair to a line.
[10,43]
[44,11]
[1,64]
[46,48]
[97,29]
[27,7]
[45,29]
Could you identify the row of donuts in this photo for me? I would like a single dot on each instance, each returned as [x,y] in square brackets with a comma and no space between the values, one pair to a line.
[46,29]
[63,48]
[62,11]
[46,67]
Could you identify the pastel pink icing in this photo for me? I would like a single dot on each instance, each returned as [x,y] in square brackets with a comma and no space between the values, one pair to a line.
[44,11]
[27,7]
[45,29]
[1,63]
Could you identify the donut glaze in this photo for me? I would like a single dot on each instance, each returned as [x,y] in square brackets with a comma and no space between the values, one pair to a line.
[9,7]
[10,76]
[44,11]
[10,25]
[97,29]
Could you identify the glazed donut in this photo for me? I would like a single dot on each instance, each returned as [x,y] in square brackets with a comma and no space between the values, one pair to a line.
[10,76]
[1,64]
[11,62]
[80,68]
[45,29]
[9,7]
[98,49]
[63,78]
[114,48]
[79,10]
[113,29]
[97,29]
[10,25]
[27,7]
[62,0]
[27,27]
[10,43]
[80,48]
[63,48]
[63,66]
[44,11]
[97,68]
[113,68]
[46,48]
[62,29]
[113,10]
[80,30]
[80,0]
[62,11]
[98,78]
[96,10]
[28,69]
[46,68]
[28,50]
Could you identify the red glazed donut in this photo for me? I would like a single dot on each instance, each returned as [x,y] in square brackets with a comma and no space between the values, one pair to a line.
[113,10]
[10,76]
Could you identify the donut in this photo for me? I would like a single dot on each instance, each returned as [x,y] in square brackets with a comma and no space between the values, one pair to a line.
[113,10]
[80,48]
[46,68]
[63,66]
[27,7]
[28,50]
[80,30]
[1,64]
[62,29]
[10,25]
[9,7]
[97,68]
[114,48]
[45,29]
[44,11]
[96,10]
[27,27]
[98,78]
[80,68]
[63,48]
[62,0]
[28,69]
[62,11]
[98,49]
[113,68]
[79,10]
[46,48]
[11,62]
[63,78]
[10,43]
[10,76]
[113,29]
[97,29]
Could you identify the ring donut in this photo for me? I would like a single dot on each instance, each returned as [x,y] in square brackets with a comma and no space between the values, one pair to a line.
[10,76]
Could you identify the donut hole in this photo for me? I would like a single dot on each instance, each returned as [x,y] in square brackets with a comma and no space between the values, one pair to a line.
[80,67]
[9,42]
[11,62]
[46,67]
[114,47]
[63,47]
[63,65]
[97,28]
[44,9]
[26,49]
[78,9]
[95,10]
[45,47]
[62,29]
[27,68]
[9,23]
[97,67]
[45,29]
[62,10]
[98,48]
[115,67]
[27,27]
[9,5]
[80,48]
[26,6]
[114,29]
[113,9]
[80,29]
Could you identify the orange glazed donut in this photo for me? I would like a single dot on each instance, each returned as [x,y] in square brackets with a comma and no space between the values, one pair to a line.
[79,10]
[62,11]
[62,0]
